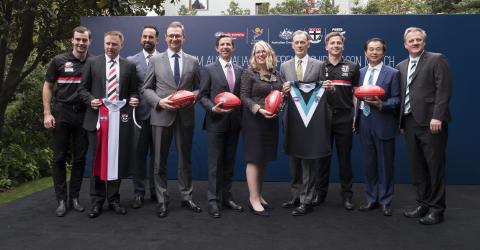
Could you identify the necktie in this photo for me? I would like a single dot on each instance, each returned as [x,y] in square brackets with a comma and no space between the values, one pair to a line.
[407,109]
[366,107]
[230,80]
[176,69]
[112,82]
[299,71]
[148,58]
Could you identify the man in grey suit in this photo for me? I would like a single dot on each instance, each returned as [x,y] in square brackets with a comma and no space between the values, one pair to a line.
[222,125]
[426,87]
[148,40]
[168,72]
[302,123]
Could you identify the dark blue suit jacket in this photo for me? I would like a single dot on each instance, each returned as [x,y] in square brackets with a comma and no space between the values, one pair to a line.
[386,125]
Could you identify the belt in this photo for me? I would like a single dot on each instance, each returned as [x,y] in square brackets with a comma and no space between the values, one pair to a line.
[74,107]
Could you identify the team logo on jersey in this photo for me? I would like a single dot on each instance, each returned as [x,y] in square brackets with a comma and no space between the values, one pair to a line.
[124,117]
[315,34]
[68,67]
[345,68]
[103,118]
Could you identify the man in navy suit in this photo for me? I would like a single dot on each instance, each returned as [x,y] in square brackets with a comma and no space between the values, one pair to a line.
[222,125]
[149,41]
[377,122]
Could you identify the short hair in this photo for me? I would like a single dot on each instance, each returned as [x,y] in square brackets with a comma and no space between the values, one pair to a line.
[412,29]
[224,36]
[271,59]
[375,39]
[332,34]
[114,33]
[151,27]
[176,24]
[81,29]
[301,32]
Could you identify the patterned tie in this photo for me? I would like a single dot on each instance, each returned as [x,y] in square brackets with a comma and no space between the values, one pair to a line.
[366,107]
[148,58]
[231,82]
[176,69]
[112,82]
[407,109]
[299,71]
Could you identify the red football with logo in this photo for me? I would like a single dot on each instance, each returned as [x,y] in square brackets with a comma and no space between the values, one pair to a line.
[369,92]
[228,100]
[273,101]
[181,98]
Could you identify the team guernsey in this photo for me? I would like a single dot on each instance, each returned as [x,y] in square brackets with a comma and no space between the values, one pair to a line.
[116,128]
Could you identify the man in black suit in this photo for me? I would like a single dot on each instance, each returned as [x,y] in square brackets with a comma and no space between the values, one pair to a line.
[426,84]
[122,84]
[222,125]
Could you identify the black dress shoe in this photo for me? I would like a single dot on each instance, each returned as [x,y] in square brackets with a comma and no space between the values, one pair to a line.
[303,209]
[232,205]
[192,206]
[318,199]
[348,204]
[137,202]
[115,206]
[75,204]
[214,212]
[162,210]
[61,209]
[432,218]
[368,206]
[263,213]
[387,210]
[95,211]
[417,212]
[291,203]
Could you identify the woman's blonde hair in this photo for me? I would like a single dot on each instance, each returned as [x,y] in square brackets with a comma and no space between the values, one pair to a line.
[271,59]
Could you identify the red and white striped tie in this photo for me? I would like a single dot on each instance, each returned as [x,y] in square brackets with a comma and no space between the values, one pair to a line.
[112,82]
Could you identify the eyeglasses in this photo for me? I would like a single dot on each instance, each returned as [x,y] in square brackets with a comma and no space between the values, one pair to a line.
[175,36]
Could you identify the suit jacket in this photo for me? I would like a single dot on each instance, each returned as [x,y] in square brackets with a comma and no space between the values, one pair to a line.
[143,110]
[159,83]
[430,89]
[314,71]
[212,83]
[93,86]
[385,125]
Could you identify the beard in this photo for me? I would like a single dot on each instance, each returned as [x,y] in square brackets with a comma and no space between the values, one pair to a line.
[148,47]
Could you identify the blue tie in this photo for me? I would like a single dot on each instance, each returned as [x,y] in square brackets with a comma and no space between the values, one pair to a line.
[176,69]
[366,107]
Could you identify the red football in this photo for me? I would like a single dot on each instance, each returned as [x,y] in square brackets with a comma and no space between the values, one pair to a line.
[228,100]
[182,98]
[369,91]
[273,101]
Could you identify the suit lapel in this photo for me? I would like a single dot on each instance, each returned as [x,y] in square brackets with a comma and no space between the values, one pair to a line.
[293,71]
[362,75]
[224,81]
[308,69]
[237,71]
[165,62]
[420,63]
[381,77]
[103,72]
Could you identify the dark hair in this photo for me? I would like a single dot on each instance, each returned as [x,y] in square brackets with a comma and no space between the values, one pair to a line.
[224,36]
[151,27]
[81,29]
[375,39]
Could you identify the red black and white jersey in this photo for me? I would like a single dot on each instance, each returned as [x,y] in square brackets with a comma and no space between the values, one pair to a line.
[116,134]
[66,70]
[345,76]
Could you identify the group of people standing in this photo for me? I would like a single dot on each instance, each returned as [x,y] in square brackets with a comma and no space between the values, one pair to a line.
[127,99]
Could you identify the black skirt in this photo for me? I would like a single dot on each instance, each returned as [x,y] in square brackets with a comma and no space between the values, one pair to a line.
[260,137]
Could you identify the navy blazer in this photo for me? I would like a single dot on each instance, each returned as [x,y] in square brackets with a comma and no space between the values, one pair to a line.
[386,124]
[212,83]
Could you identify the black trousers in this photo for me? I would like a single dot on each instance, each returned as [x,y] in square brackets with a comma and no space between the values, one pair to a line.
[68,136]
[222,148]
[427,156]
[144,146]
[102,190]
[342,122]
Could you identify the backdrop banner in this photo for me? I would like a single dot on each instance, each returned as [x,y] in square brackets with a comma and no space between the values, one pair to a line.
[444,32]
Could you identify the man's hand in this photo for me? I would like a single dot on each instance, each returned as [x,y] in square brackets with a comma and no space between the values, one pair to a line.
[328,85]
[266,114]
[95,103]
[377,102]
[435,126]
[217,109]
[133,102]
[49,121]
[286,87]
[165,104]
